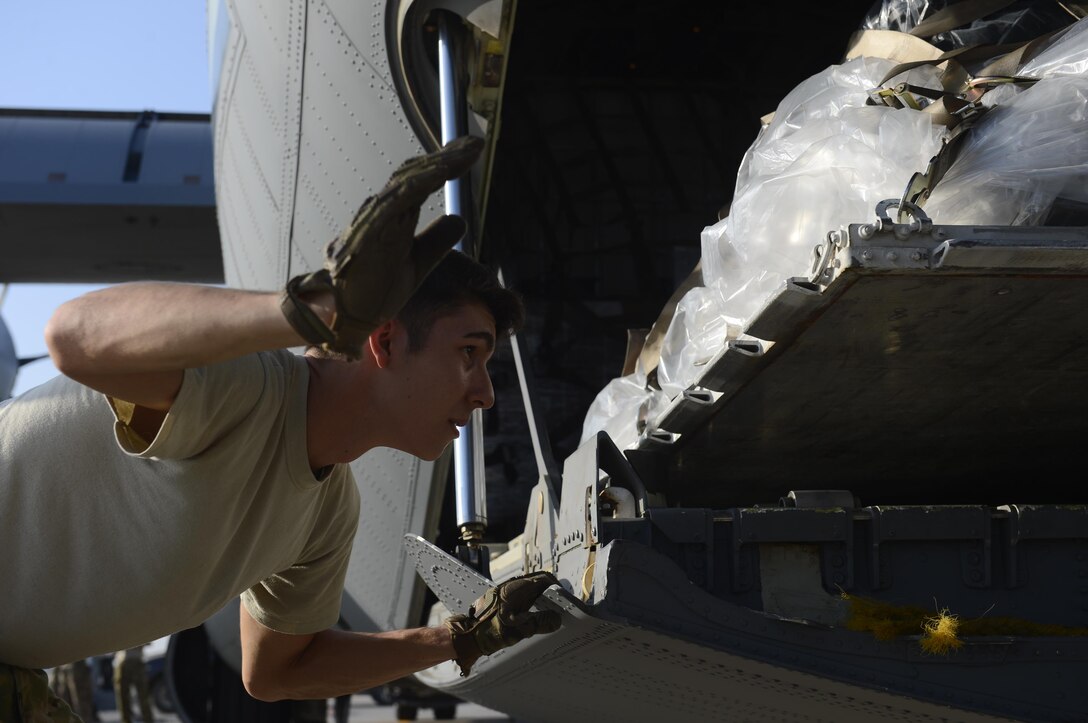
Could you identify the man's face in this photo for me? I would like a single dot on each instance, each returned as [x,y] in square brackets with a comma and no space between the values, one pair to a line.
[439,385]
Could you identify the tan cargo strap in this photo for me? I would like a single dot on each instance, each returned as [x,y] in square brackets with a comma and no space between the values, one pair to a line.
[955,76]
[958,15]
[922,183]
[889,44]
[650,353]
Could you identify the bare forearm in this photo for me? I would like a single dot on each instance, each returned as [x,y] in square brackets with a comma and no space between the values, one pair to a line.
[150,327]
[337,662]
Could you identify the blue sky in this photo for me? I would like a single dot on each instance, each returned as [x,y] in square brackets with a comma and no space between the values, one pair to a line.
[100,55]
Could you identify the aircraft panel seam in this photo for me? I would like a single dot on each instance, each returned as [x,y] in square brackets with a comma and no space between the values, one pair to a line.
[294,110]
[384,77]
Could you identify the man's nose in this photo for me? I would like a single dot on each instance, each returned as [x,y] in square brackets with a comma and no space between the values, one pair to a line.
[482,393]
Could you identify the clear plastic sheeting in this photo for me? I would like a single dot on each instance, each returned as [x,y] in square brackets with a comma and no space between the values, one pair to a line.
[622,409]
[1017,22]
[1020,159]
[1066,54]
[697,332]
[1025,162]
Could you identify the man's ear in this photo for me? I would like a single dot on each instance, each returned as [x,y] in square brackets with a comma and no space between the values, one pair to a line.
[380,343]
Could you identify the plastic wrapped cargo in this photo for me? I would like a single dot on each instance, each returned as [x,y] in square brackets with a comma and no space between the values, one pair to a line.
[697,331]
[828,157]
[825,159]
[622,409]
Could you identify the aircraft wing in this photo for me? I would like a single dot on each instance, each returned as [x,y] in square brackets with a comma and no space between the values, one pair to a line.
[104,197]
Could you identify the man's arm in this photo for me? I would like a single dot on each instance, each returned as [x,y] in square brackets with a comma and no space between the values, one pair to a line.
[335,662]
[331,663]
[134,341]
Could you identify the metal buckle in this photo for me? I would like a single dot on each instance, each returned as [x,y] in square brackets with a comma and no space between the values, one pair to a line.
[921,222]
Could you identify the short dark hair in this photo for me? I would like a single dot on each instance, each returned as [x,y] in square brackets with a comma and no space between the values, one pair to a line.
[458,280]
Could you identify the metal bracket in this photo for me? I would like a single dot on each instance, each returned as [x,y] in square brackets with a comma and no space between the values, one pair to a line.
[742,567]
[972,525]
[478,557]
[921,224]
[1036,522]
[693,529]
[836,556]
[830,528]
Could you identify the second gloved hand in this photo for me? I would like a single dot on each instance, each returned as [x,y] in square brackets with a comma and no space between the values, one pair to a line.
[501,617]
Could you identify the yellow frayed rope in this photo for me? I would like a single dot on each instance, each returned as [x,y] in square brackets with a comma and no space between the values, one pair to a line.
[941,633]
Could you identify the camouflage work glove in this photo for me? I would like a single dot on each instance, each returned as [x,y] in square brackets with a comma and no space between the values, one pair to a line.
[501,617]
[376,264]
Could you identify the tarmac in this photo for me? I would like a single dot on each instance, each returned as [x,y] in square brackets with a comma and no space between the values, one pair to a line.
[363,708]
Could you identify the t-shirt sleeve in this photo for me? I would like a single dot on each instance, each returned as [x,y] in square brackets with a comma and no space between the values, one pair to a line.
[211,402]
[305,598]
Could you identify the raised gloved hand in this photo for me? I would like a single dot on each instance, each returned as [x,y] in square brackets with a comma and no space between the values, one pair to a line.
[375,265]
[501,617]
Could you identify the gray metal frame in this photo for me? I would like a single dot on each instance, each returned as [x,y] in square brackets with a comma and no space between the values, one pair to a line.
[948,354]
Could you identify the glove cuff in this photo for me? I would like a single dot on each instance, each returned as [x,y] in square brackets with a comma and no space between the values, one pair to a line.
[299,315]
[468,651]
[350,335]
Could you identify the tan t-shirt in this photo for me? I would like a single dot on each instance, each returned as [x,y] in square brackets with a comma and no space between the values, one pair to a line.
[105,545]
